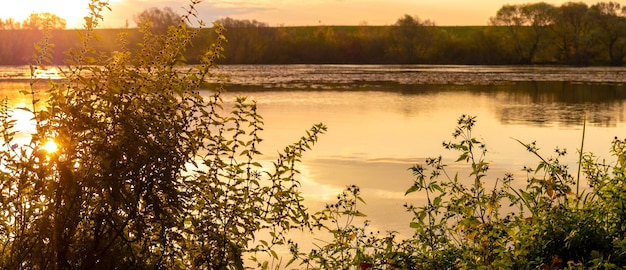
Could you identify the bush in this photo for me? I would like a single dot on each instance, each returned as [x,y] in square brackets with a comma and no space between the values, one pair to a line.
[472,221]
[551,223]
[147,173]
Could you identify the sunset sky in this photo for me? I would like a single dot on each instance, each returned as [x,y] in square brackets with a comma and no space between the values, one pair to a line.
[282,12]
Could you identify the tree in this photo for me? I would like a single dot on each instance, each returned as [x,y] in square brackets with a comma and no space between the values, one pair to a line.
[248,40]
[147,173]
[413,38]
[39,21]
[9,24]
[527,25]
[234,23]
[573,29]
[158,19]
[610,23]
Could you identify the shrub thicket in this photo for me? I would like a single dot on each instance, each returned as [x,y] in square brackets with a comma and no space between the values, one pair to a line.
[470,222]
[146,174]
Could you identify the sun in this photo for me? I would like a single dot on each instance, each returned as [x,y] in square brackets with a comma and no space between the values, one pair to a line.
[50,146]
[73,11]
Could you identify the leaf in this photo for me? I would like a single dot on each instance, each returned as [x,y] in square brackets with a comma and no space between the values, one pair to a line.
[292,260]
[435,187]
[437,201]
[412,189]
[360,199]
[463,156]
[540,166]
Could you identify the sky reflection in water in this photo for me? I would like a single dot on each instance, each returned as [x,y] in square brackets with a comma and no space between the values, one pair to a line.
[383,119]
[380,125]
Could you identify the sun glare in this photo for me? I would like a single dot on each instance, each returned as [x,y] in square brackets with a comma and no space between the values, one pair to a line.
[24,122]
[50,146]
[24,127]
[73,11]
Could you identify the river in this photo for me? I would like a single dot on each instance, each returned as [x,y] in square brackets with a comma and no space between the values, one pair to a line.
[383,119]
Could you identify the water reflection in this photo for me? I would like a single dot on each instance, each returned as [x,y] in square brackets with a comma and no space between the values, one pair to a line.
[383,119]
[542,103]
[562,103]
[17,96]
[347,76]
[376,133]
[528,102]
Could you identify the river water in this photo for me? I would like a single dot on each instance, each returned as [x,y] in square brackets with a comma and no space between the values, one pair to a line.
[383,119]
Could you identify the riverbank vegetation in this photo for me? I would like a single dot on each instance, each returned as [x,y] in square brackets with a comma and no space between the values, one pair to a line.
[563,218]
[534,33]
[130,167]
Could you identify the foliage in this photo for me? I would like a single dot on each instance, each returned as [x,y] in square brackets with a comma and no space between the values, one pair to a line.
[611,30]
[9,24]
[472,220]
[527,26]
[35,21]
[413,38]
[531,33]
[573,36]
[548,224]
[39,21]
[351,243]
[147,173]
[159,20]
[461,224]
[246,35]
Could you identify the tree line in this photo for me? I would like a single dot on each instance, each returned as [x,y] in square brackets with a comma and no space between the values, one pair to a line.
[34,21]
[534,33]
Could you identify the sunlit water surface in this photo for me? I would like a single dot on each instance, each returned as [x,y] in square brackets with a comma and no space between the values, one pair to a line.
[383,119]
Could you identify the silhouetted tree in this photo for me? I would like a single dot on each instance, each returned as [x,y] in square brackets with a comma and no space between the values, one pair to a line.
[573,29]
[527,26]
[234,23]
[413,38]
[9,24]
[39,21]
[159,19]
[610,28]
[248,40]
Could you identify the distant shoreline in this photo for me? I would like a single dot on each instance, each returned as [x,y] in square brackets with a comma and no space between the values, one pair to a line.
[449,45]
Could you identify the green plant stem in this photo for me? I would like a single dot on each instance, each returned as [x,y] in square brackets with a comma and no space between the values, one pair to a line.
[580,159]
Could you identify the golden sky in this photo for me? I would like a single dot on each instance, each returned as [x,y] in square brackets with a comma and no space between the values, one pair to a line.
[282,12]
